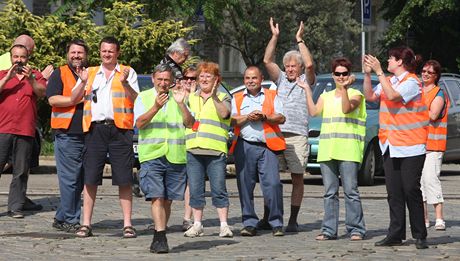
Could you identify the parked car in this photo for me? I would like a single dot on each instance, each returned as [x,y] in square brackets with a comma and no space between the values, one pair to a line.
[372,162]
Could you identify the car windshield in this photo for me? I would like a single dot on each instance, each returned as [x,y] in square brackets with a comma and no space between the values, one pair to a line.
[325,84]
[145,82]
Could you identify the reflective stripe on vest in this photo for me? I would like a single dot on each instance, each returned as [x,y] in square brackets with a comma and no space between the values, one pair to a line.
[273,136]
[212,132]
[61,117]
[165,134]
[398,121]
[122,105]
[437,130]
[342,135]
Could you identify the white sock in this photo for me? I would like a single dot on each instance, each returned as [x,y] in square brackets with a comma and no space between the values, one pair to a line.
[223,224]
[197,223]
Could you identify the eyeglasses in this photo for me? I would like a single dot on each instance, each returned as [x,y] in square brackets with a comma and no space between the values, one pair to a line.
[189,78]
[429,72]
[341,73]
[94,96]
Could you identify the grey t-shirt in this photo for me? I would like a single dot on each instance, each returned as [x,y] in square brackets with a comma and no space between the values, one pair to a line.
[295,106]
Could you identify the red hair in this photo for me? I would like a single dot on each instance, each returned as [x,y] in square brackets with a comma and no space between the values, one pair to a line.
[208,67]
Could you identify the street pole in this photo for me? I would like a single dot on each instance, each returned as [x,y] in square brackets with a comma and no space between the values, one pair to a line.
[363,34]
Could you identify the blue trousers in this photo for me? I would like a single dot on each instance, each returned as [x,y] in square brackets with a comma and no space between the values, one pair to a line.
[252,160]
[68,151]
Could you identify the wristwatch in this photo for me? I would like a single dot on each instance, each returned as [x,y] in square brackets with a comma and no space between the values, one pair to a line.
[301,41]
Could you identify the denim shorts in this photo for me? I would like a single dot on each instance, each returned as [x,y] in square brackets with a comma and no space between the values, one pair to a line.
[159,178]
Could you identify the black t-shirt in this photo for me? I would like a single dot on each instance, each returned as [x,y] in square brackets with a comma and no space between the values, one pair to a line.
[55,87]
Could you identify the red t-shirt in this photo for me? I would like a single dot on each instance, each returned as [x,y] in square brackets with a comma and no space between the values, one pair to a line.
[18,105]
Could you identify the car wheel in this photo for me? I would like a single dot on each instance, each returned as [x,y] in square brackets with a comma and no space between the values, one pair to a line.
[369,166]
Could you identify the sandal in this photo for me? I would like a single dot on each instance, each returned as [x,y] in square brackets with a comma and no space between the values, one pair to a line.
[129,232]
[356,237]
[324,237]
[84,231]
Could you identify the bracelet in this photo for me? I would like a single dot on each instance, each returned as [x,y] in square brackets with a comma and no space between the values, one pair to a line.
[380,74]
[301,41]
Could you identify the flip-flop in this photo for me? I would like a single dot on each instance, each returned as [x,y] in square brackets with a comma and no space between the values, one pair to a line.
[129,232]
[324,237]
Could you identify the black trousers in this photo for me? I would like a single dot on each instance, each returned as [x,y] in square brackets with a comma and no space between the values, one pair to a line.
[402,178]
[20,147]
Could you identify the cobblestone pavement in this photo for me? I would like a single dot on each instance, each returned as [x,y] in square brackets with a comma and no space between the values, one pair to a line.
[33,238]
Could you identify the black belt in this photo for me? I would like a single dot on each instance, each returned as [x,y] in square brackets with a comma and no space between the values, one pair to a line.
[255,142]
[105,122]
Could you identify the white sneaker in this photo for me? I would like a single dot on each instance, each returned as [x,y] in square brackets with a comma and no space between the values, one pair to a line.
[427,224]
[194,231]
[440,224]
[226,231]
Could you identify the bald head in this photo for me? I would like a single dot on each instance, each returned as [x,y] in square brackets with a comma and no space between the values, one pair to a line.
[27,41]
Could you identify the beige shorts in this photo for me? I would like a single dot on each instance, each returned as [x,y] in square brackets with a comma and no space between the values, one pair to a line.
[294,158]
[430,183]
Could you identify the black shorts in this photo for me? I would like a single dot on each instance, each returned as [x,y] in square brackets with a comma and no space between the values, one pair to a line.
[118,143]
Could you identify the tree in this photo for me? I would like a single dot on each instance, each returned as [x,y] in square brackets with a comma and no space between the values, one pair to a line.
[243,24]
[429,27]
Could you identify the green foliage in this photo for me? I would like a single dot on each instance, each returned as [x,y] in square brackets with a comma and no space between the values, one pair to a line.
[47,148]
[243,25]
[430,27]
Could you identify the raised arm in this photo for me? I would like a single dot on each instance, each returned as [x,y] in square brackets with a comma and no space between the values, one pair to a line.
[306,55]
[313,109]
[272,68]
[374,64]
[145,118]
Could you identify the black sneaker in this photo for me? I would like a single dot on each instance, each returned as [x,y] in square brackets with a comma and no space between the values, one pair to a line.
[16,214]
[248,232]
[278,232]
[29,205]
[57,224]
[70,228]
[263,225]
[159,245]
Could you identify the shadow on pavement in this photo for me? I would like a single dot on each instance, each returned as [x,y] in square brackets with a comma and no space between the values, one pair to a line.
[202,244]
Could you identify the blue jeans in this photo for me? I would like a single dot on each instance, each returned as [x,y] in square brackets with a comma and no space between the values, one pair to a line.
[254,160]
[68,150]
[354,219]
[198,166]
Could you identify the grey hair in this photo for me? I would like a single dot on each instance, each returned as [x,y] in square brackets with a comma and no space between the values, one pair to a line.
[293,55]
[163,68]
[178,46]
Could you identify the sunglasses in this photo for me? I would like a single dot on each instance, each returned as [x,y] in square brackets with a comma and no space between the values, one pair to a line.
[189,78]
[341,73]
[94,96]
[429,72]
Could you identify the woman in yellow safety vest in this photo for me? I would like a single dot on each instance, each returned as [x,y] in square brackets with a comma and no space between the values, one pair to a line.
[340,151]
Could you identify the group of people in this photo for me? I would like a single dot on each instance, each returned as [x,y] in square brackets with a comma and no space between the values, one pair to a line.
[183,124]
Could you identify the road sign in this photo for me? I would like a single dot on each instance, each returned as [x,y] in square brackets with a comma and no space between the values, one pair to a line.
[366,12]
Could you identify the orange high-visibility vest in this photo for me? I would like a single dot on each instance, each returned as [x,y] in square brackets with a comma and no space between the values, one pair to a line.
[437,130]
[62,116]
[403,124]
[123,107]
[273,136]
